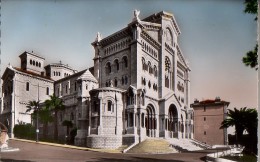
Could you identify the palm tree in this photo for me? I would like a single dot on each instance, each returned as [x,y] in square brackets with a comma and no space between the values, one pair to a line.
[55,104]
[235,118]
[45,118]
[34,105]
[251,58]
[251,122]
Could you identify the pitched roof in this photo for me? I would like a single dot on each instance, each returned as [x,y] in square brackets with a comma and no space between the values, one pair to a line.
[31,73]
[84,74]
[87,76]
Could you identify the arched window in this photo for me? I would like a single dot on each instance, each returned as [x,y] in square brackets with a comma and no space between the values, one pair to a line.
[167,81]
[40,64]
[123,81]
[143,63]
[47,91]
[108,68]
[126,79]
[54,73]
[36,63]
[150,69]
[167,64]
[125,61]
[155,71]
[115,82]
[109,105]
[116,64]
[31,62]
[27,86]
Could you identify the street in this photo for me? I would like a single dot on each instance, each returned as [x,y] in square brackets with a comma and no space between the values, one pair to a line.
[34,152]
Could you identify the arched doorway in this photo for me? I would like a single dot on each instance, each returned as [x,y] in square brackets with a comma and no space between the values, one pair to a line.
[173,121]
[150,121]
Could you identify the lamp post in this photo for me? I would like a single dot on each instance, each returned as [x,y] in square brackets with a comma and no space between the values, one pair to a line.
[37,117]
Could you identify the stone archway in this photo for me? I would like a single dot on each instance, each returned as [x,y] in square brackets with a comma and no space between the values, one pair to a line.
[173,121]
[150,121]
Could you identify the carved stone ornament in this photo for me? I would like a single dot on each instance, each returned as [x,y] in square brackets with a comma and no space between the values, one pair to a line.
[98,38]
[136,15]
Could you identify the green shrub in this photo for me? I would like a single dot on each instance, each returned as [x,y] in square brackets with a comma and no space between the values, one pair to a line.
[25,131]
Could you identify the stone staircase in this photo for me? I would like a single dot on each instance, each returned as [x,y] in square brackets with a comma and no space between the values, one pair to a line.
[185,144]
[153,145]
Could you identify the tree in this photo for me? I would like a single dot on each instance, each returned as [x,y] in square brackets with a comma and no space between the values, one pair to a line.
[55,104]
[45,118]
[34,105]
[235,118]
[251,7]
[251,58]
[243,119]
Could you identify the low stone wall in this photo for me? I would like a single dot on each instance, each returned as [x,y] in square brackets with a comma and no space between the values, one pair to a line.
[101,141]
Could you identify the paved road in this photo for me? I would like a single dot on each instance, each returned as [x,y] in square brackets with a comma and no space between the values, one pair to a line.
[34,152]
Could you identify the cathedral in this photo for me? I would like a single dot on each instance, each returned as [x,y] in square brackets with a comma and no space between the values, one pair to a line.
[138,88]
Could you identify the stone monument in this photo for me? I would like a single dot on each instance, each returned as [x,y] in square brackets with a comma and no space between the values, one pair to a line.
[4,140]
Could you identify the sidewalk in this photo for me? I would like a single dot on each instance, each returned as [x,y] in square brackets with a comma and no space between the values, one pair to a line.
[68,146]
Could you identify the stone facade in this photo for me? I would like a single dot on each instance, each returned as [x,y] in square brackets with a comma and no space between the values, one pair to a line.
[21,85]
[139,86]
[142,72]
[208,115]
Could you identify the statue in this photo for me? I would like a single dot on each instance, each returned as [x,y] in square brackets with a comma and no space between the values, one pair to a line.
[136,15]
[98,38]
[3,136]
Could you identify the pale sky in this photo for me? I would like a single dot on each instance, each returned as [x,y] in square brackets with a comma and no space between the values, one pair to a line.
[215,35]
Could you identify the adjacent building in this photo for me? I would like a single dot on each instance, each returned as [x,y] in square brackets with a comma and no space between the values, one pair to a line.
[23,84]
[208,115]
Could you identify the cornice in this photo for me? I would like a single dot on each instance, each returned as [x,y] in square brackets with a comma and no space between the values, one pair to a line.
[115,37]
[150,39]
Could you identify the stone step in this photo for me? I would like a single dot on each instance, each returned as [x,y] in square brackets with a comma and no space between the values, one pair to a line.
[155,145]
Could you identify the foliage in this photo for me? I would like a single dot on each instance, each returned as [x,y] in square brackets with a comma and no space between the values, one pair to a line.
[55,104]
[251,58]
[251,7]
[25,131]
[243,119]
[33,106]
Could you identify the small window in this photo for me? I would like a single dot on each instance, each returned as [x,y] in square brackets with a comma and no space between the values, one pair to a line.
[71,116]
[115,82]
[75,86]
[36,63]
[125,62]
[39,64]
[31,62]
[109,105]
[27,86]
[86,87]
[47,91]
[205,133]
[204,118]
[126,79]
